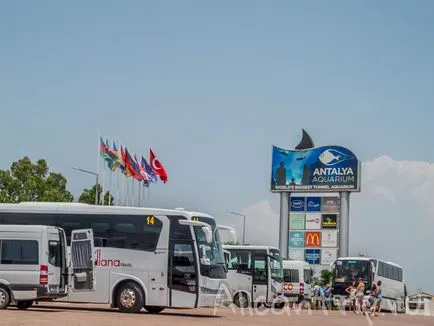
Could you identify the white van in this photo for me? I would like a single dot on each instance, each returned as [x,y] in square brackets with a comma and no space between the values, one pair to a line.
[34,264]
[297,280]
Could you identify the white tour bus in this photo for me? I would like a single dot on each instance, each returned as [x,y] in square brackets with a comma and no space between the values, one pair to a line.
[34,265]
[144,257]
[254,275]
[348,269]
[297,280]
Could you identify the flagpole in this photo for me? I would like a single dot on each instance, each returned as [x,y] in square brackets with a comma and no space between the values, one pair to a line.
[133,199]
[97,168]
[123,190]
[103,184]
[110,186]
[138,197]
[117,189]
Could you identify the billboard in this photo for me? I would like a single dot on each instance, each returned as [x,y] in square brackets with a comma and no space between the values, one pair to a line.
[313,228]
[313,204]
[313,221]
[296,254]
[329,204]
[297,204]
[313,256]
[320,169]
[312,239]
[329,238]
[296,221]
[296,239]
[328,256]
[329,221]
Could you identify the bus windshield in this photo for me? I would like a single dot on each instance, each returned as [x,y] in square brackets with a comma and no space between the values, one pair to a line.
[211,257]
[276,265]
[350,270]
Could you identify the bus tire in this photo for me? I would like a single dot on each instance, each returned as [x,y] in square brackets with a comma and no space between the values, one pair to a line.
[154,309]
[23,305]
[5,297]
[241,300]
[130,298]
[279,305]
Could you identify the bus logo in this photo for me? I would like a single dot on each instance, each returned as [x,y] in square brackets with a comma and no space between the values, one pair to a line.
[312,239]
[106,262]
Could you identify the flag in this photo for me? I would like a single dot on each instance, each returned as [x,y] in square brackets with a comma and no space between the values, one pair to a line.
[119,156]
[113,163]
[157,166]
[142,173]
[125,161]
[152,177]
[107,155]
[103,149]
[131,165]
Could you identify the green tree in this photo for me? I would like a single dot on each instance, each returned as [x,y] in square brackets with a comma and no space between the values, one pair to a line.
[325,276]
[88,196]
[27,181]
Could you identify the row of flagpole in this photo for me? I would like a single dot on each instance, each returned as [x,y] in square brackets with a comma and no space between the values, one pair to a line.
[131,169]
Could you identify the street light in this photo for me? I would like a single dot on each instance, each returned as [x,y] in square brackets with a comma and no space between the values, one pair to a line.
[96,186]
[244,223]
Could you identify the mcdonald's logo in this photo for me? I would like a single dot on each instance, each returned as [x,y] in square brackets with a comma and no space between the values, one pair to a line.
[312,239]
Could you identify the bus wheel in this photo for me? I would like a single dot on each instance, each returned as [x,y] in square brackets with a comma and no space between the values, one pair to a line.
[130,298]
[5,298]
[154,309]
[22,305]
[279,305]
[241,300]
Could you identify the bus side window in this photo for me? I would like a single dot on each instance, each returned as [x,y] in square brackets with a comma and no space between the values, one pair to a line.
[380,271]
[240,261]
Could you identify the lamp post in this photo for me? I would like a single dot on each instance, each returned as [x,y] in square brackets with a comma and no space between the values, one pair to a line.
[244,223]
[96,185]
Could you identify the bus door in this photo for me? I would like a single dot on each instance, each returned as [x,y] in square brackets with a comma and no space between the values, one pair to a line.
[82,260]
[183,274]
[260,277]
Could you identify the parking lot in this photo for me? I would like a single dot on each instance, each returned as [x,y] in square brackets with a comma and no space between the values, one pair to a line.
[74,315]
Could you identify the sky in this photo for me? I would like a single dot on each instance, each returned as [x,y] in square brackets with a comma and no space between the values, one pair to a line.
[212,86]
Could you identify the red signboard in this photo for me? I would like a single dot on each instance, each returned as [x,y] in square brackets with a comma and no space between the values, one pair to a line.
[312,239]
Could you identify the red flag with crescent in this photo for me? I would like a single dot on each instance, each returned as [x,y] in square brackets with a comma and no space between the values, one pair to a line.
[157,166]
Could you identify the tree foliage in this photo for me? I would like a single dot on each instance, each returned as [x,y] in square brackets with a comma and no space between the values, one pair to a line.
[27,181]
[325,276]
[88,196]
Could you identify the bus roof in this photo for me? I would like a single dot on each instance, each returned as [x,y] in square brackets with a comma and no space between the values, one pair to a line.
[80,208]
[368,259]
[298,263]
[25,228]
[198,214]
[259,247]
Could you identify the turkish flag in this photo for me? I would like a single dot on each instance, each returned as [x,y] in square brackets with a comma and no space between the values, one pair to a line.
[157,166]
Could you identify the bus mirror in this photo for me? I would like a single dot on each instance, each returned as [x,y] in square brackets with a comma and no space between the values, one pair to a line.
[231,230]
[206,228]
[208,233]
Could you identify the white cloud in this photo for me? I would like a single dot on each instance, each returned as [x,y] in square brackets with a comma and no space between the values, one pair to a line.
[392,217]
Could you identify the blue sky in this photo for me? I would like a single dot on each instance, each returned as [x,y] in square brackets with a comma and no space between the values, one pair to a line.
[211,86]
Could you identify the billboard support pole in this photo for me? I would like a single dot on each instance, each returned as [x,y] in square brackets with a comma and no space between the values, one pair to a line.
[284,224]
[344,224]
